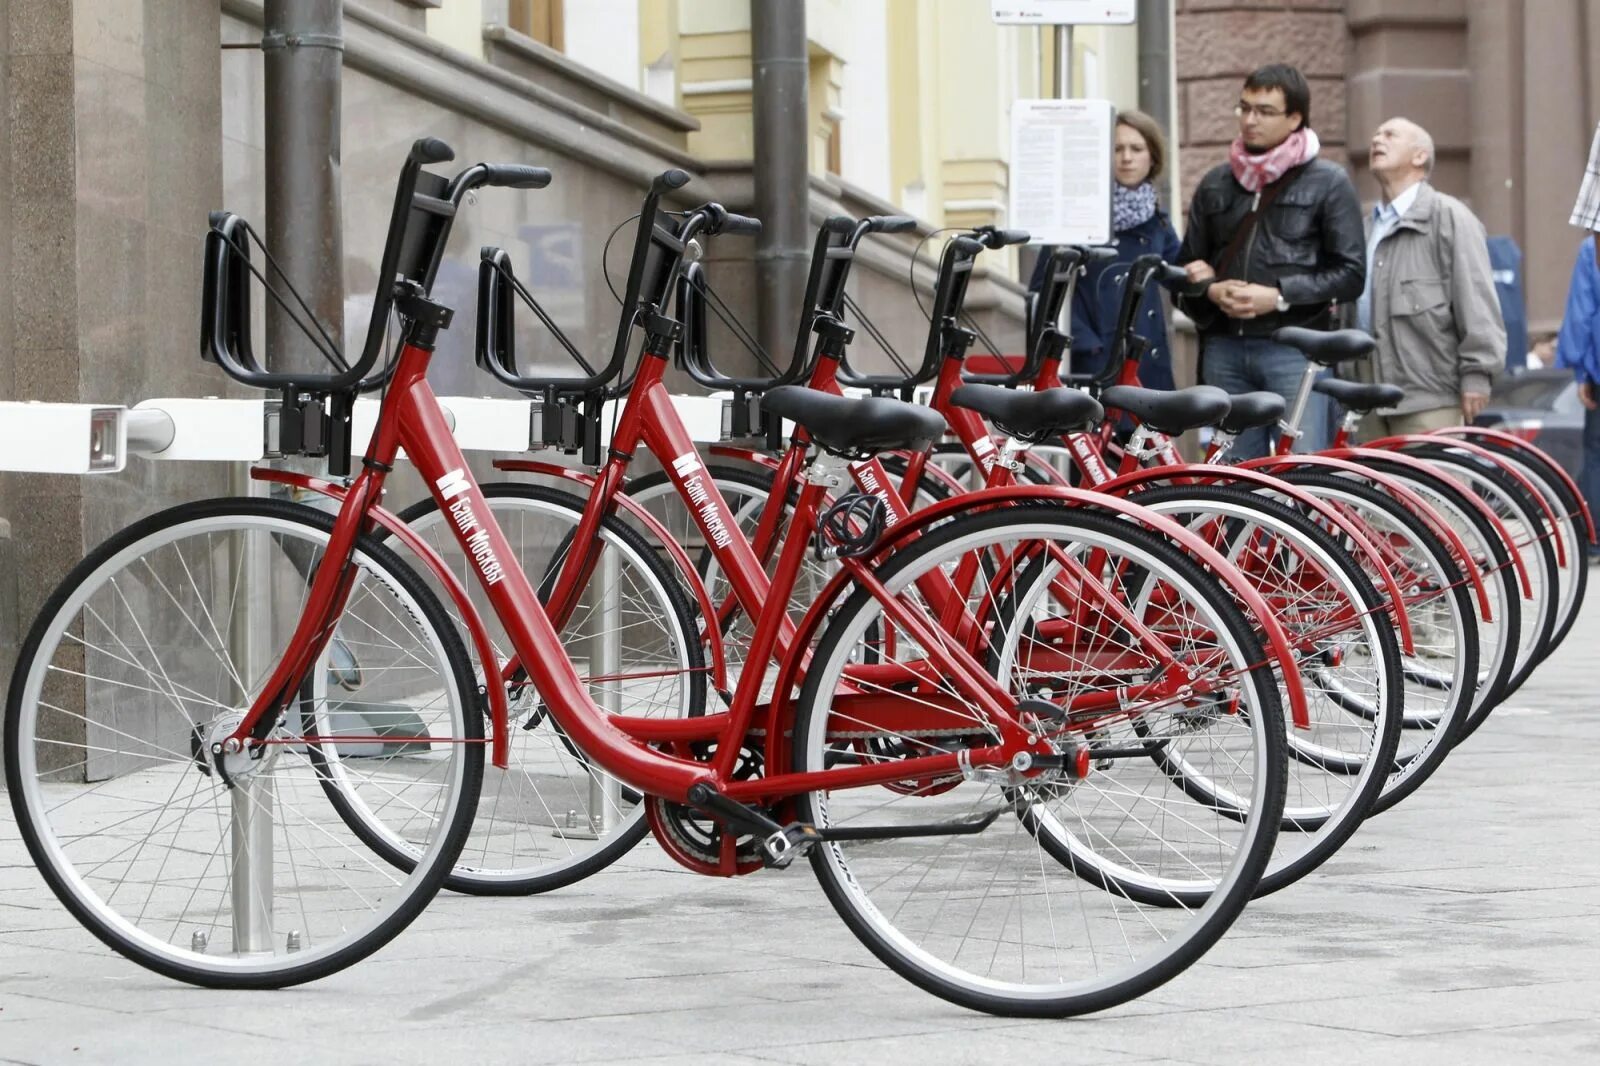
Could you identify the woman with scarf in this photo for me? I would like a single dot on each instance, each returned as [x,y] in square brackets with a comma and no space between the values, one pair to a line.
[1142,227]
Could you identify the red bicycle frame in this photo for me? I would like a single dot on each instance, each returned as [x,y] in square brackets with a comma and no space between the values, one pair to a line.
[945,596]
[411,419]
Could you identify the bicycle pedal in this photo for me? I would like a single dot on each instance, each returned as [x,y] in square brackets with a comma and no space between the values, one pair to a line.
[787,844]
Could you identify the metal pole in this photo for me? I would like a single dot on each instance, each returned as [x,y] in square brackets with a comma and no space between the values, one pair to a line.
[782,193]
[605,657]
[1155,77]
[1063,62]
[252,798]
[603,799]
[250,884]
[1155,60]
[302,43]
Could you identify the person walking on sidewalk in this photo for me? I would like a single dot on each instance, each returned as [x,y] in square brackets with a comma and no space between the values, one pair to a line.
[1430,300]
[1578,343]
[1277,231]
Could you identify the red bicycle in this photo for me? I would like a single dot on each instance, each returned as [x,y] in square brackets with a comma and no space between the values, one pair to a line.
[191,789]
[1326,601]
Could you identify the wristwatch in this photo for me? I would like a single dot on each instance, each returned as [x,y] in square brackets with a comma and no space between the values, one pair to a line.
[1283,305]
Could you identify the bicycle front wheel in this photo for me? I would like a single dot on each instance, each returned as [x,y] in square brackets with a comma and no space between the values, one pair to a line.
[235,870]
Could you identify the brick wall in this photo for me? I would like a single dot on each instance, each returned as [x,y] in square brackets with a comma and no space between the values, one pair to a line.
[1219,42]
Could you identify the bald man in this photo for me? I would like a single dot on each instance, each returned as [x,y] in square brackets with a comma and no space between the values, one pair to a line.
[1429,298]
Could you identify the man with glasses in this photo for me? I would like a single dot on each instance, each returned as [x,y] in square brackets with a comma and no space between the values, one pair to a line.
[1277,232]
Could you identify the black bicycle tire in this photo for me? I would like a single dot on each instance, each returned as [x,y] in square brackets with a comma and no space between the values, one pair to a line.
[1229,906]
[456,832]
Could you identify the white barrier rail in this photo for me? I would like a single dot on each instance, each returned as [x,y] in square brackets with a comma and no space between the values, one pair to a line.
[80,438]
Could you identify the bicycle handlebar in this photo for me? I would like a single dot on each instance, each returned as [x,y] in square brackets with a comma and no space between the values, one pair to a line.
[514,176]
[949,294]
[892,224]
[993,237]
[668,180]
[1143,270]
[427,150]
[739,225]
[1172,274]
[419,225]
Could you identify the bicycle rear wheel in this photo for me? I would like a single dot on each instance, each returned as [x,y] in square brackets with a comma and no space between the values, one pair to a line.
[1441,675]
[235,871]
[1531,538]
[1573,530]
[1345,648]
[1060,896]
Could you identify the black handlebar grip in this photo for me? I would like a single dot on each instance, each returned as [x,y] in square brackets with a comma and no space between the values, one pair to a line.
[1099,253]
[743,225]
[669,179]
[431,150]
[1005,237]
[969,245]
[893,224]
[838,223]
[1172,274]
[516,176]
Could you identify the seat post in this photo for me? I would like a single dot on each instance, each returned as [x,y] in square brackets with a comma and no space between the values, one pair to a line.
[1347,428]
[1290,426]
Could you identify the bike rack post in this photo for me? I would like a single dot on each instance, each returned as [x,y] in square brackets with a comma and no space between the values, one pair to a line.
[252,798]
[603,800]
[250,887]
[605,658]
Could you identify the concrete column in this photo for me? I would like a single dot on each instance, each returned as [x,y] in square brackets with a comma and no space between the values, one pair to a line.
[1494,55]
[1556,149]
[110,159]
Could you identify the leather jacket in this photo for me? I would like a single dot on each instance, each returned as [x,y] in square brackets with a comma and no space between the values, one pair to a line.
[1309,244]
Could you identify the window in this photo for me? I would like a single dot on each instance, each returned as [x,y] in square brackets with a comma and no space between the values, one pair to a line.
[540,19]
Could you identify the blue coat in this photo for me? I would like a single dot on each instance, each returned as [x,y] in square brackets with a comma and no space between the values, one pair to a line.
[1578,346]
[1099,295]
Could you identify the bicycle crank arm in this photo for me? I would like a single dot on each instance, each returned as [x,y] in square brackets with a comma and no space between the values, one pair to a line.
[780,844]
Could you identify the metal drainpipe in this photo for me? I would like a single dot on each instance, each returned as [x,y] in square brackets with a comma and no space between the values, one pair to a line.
[303,45]
[782,193]
[1155,75]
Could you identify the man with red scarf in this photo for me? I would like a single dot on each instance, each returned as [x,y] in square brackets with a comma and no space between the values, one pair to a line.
[1277,231]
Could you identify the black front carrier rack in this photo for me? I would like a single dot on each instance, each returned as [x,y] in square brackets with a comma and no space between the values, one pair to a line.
[314,409]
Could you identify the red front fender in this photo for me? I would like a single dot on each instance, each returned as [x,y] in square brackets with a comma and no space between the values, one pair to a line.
[1208,472]
[499,713]
[1340,462]
[691,576]
[1397,443]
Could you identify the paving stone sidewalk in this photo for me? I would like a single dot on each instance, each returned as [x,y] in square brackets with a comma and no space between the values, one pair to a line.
[1462,927]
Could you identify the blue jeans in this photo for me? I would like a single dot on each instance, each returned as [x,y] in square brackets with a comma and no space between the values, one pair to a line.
[1255,364]
[1589,477]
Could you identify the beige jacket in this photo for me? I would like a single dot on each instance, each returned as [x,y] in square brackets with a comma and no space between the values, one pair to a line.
[1434,310]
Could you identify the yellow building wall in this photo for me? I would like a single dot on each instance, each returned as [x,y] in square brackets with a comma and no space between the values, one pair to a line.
[458,24]
[951,76]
